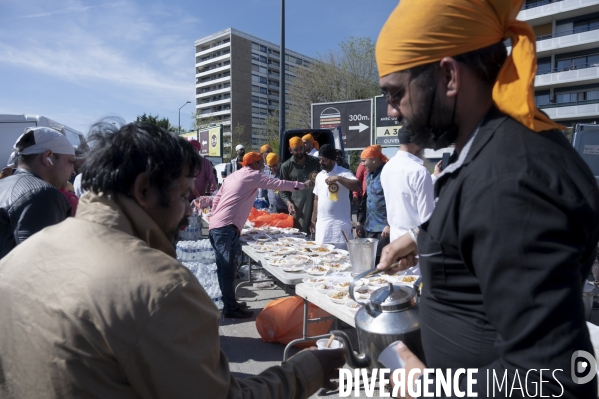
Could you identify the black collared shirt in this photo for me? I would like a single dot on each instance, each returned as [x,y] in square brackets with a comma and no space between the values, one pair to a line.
[504,256]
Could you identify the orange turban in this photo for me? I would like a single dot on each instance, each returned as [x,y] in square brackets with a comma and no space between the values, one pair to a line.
[295,142]
[272,159]
[308,137]
[374,151]
[420,32]
[250,158]
[265,147]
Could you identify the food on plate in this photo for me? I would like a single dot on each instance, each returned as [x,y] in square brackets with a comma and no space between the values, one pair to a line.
[310,243]
[323,286]
[339,295]
[279,262]
[322,249]
[378,281]
[353,305]
[408,279]
[313,280]
[317,269]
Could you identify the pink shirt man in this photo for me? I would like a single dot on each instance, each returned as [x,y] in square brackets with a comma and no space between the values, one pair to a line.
[233,203]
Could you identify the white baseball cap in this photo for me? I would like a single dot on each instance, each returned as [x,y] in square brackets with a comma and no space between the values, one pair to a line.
[239,147]
[45,139]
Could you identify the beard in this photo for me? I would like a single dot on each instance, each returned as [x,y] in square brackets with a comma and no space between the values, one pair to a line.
[432,126]
[299,157]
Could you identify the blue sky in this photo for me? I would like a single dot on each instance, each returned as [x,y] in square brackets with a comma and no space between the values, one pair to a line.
[76,61]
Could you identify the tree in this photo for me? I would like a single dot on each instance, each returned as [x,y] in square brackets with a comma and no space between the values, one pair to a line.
[272,131]
[238,136]
[155,120]
[349,73]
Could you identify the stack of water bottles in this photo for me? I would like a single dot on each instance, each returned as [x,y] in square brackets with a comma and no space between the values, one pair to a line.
[199,257]
[193,231]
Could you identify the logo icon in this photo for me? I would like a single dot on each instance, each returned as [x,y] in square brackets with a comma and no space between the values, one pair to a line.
[579,366]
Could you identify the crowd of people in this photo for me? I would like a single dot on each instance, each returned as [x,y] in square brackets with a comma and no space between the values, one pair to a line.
[504,236]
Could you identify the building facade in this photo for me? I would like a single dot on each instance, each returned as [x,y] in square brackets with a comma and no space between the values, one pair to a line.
[567,80]
[237,82]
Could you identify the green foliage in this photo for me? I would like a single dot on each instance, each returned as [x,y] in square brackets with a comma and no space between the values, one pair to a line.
[155,120]
[349,73]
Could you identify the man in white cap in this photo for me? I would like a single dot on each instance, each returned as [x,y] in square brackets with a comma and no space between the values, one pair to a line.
[235,164]
[30,199]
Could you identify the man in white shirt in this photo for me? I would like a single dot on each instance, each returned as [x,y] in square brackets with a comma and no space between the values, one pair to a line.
[332,210]
[408,188]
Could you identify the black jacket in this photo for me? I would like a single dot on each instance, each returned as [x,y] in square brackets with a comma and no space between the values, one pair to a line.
[27,205]
[504,257]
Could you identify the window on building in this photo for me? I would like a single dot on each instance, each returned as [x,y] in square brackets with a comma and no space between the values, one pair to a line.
[263,48]
[544,66]
[263,59]
[263,80]
[255,89]
[263,90]
[298,61]
[255,57]
[255,99]
[255,46]
[255,78]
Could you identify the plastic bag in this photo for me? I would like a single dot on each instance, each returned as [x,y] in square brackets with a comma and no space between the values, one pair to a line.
[281,321]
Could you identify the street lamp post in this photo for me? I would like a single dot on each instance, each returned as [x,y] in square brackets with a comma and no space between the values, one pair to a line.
[189,102]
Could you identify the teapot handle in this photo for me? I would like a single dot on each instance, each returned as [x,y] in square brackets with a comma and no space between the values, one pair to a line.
[360,276]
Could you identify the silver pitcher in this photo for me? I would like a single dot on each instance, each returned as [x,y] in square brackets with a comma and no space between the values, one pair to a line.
[362,254]
[391,314]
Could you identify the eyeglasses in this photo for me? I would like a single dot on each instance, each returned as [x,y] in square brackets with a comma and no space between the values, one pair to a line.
[391,98]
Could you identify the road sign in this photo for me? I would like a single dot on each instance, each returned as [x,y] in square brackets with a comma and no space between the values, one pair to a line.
[354,117]
[211,141]
[386,127]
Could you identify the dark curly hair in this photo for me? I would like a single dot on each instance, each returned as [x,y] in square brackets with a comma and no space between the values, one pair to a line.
[120,152]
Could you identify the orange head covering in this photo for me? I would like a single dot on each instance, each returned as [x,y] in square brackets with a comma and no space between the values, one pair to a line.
[272,159]
[250,158]
[420,32]
[265,147]
[295,142]
[310,138]
[374,151]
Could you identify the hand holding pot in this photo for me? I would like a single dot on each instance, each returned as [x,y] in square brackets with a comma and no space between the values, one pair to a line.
[403,250]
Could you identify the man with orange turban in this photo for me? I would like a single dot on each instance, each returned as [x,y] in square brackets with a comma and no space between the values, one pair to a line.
[265,150]
[311,146]
[230,209]
[514,232]
[372,212]
[299,167]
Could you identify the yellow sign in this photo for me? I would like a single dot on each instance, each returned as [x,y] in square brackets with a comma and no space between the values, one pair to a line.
[214,142]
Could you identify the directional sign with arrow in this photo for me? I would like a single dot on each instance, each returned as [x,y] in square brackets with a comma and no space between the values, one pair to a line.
[354,117]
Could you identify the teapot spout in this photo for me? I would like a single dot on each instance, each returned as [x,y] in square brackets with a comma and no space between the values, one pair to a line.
[355,360]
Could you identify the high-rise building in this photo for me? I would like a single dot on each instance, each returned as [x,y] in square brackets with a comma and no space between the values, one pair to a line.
[567,81]
[237,82]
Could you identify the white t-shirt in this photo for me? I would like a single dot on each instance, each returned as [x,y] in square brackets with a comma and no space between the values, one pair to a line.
[314,152]
[408,191]
[333,216]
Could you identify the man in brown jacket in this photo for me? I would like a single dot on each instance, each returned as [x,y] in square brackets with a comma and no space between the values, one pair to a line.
[98,306]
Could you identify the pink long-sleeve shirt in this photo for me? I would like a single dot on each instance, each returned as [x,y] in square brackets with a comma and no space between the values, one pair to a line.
[234,201]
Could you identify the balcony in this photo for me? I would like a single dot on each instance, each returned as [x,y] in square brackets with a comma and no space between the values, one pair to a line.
[572,110]
[583,38]
[215,102]
[210,93]
[211,70]
[214,47]
[585,73]
[216,58]
[216,113]
[545,11]
[213,81]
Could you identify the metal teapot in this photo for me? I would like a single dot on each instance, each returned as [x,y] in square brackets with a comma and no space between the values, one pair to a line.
[389,315]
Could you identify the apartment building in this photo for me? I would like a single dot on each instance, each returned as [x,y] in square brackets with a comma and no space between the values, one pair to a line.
[567,81]
[237,81]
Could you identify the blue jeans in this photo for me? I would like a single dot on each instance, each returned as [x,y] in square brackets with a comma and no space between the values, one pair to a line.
[225,241]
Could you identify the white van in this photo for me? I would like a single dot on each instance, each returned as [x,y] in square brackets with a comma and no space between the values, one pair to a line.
[12,126]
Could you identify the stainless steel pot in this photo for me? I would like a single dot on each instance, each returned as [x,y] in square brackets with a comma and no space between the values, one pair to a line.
[391,314]
[362,253]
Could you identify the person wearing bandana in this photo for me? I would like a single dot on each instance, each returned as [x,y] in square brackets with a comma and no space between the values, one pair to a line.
[514,232]
[300,167]
[332,209]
